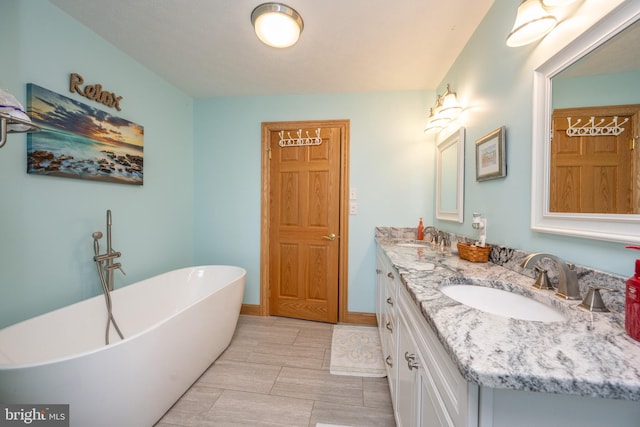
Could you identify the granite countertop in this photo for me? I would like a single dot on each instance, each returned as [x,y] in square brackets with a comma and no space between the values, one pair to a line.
[589,354]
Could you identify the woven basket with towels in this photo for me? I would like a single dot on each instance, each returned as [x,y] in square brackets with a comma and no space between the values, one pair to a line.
[473,253]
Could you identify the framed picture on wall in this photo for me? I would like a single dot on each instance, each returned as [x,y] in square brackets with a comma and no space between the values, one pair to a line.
[79,141]
[491,160]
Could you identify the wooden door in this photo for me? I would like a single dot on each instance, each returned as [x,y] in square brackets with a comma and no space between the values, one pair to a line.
[594,174]
[304,223]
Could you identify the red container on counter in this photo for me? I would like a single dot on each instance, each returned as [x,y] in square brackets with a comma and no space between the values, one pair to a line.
[632,302]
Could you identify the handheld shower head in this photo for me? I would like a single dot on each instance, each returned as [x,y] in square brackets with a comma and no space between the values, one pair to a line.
[97,235]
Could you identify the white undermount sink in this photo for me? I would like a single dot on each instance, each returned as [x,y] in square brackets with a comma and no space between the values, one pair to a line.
[502,303]
[416,244]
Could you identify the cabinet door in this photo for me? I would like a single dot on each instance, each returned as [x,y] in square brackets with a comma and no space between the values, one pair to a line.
[446,397]
[431,409]
[408,392]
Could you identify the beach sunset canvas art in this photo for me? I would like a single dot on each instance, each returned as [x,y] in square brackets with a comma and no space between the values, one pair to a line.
[79,141]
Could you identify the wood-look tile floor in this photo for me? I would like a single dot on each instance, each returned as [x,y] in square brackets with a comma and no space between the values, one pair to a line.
[275,372]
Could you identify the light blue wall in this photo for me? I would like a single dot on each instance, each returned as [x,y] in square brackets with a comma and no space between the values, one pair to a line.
[46,222]
[202,166]
[391,162]
[496,83]
[610,89]
[391,166]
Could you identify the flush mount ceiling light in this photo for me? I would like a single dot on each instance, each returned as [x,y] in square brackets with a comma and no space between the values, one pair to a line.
[532,23]
[276,24]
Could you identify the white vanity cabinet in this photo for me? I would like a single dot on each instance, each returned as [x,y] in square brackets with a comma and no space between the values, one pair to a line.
[441,396]
[386,313]
[426,387]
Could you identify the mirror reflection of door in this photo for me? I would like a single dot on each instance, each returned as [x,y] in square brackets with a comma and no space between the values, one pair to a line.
[595,173]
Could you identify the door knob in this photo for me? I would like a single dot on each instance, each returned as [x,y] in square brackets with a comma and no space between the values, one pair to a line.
[330,237]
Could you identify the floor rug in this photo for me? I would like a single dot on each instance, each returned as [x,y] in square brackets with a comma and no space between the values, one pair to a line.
[356,351]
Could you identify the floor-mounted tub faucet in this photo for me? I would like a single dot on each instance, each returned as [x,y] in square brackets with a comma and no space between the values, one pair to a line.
[567,278]
[108,256]
[104,263]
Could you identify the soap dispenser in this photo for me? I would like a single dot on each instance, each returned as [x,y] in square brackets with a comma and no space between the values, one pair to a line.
[632,302]
[480,223]
[420,231]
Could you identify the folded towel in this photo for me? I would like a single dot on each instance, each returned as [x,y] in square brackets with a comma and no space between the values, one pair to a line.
[11,106]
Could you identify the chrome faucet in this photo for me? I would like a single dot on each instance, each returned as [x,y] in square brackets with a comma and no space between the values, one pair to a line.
[567,278]
[433,234]
[442,239]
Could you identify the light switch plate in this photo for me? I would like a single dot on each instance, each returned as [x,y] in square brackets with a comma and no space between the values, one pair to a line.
[353,193]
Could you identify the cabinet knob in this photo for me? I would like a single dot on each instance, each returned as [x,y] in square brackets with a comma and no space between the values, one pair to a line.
[388,361]
[411,361]
[390,301]
[378,271]
[388,326]
[390,275]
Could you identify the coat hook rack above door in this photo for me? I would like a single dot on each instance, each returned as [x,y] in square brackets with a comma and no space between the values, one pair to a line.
[591,128]
[299,141]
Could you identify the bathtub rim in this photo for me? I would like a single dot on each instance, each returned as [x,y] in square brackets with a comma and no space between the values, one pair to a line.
[17,366]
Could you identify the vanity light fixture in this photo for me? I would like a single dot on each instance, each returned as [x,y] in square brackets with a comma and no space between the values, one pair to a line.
[276,24]
[450,108]
[446,110]
[532,23]
[434,125]
[557,3]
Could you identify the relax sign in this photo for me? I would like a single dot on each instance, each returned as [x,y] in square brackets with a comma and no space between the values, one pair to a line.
[94,92]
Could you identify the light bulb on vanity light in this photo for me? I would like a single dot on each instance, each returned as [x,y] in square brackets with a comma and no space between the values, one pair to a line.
[557,3]
[532,23]
[435,124]
[450,108]
[444,113]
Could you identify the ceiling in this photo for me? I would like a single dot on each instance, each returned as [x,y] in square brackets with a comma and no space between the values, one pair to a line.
[611,57]
[207,48]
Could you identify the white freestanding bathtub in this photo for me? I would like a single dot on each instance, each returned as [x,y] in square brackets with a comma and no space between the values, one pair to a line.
[175,325]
